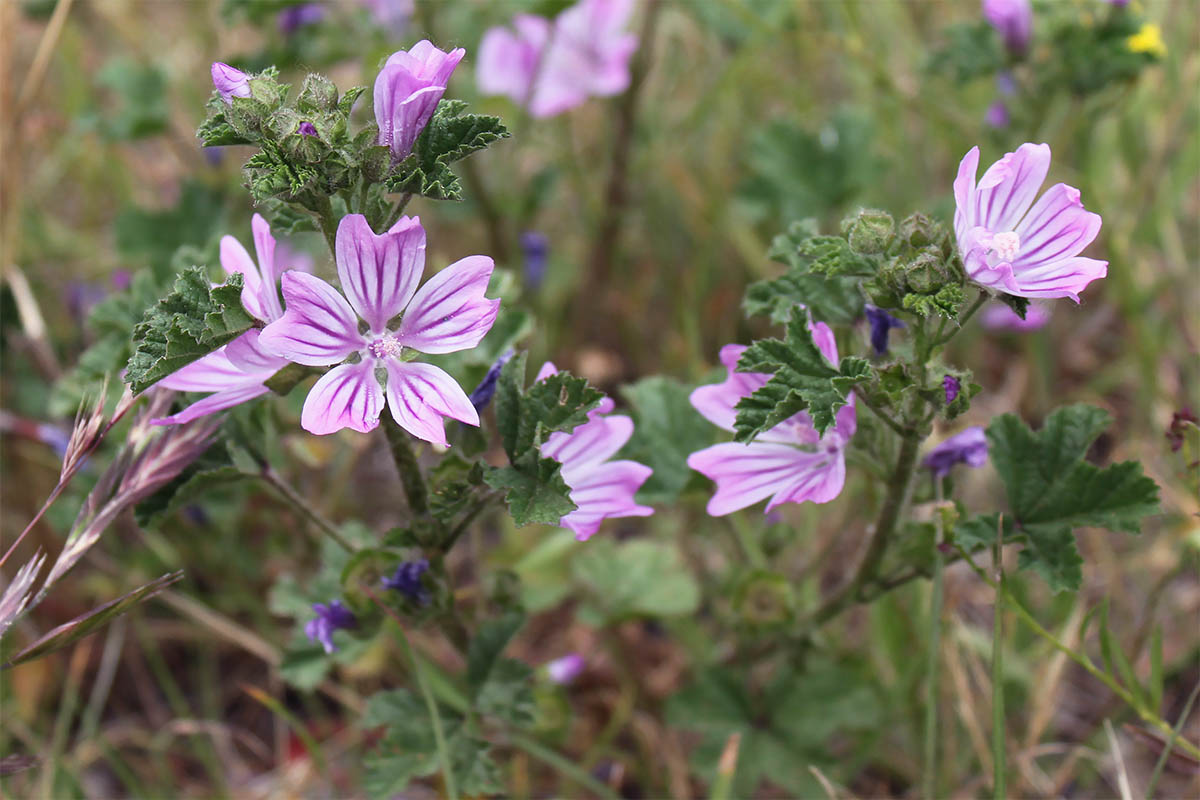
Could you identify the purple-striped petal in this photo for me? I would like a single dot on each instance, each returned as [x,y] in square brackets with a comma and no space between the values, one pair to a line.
[604,490]
[717,402]
[219,401]
[449,312]
[421,395]
[1008,188]
[230,82]
[821,480]
[247,354]
[1057,227]
[407,91]
[212,373]
[264,248]
[964,193]
[588,444]
[318,328]
[748,473]
[234,258]
[348,396]
[379,272]
[1065,278]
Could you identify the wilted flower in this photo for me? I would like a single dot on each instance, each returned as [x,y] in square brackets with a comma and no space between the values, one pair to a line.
[1000,317]
[236,372]
[1008,246]
[881,323]
[483,393]
[550,67]
[230,82]
[566,669]
[379,275]
[790,463]
[951,386]
[1013,20]
[969,447]
[407,581]
[600,488]
[330,618]
[407,91]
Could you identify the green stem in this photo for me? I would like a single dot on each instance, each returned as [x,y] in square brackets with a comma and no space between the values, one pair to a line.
[999,753]
[397,211]
[891,423]
[415,490]
[323,211]
[962,321]
[1170,745]
[898,490]
[276,482]
[933,690]
[439,736]
[1083,661]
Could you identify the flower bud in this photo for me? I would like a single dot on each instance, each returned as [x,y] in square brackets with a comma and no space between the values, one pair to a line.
[927,272]
[871,231]
[318,92]
[920,231]
[764,599]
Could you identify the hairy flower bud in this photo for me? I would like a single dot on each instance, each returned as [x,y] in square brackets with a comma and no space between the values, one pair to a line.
[927,272]
[318,92]
[918,231]
[871,231]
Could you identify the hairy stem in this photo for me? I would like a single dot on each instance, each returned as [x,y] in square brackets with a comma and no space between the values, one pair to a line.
[415,490]
[323,210]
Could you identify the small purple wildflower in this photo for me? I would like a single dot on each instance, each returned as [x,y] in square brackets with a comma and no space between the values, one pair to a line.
[307,129]
[230,82]
[968,447]
[330,618]
[1006,84]
[1013,20]
[952,387]
[483,393]
[407,581]
[295,17]
[881,322]
[379,274]
[600,488]
[566,669]
[536,248]
[791,463]
[997,115]
[1011,244]
[407,91]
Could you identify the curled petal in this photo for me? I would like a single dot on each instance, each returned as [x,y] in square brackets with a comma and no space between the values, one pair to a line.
[318,328]
[218,401]
[748,473]
[421,395]
[348,396]
[234,258]
[248,355]
[597,440]
[964,192]
[212,373]
[449,312]
[1066,278]
[717,402]
[264,248]
[604,490]
[1057,227]
[824,340]
[379,273]
[1009,187]
[230,82]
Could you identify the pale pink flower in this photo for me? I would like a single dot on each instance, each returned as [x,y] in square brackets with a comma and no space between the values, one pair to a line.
[1009,246]
[379,274]
[600,488]
[790,463]
[550,67]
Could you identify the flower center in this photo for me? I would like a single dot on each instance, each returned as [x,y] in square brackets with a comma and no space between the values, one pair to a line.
[1006,245]
[385,346]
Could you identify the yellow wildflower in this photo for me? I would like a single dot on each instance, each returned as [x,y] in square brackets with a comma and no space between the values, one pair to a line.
[1148,40]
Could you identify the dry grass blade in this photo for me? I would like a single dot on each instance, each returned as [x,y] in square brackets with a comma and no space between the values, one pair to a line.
[1122,773]
[16,595]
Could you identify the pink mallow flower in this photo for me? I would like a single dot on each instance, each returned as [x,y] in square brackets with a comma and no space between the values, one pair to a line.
[1013,20]
[790,463]
[235,373]
[999,317]
[407,91]
[230,82]
[599,487]
[550,67]
[379,275]
[1010,247]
